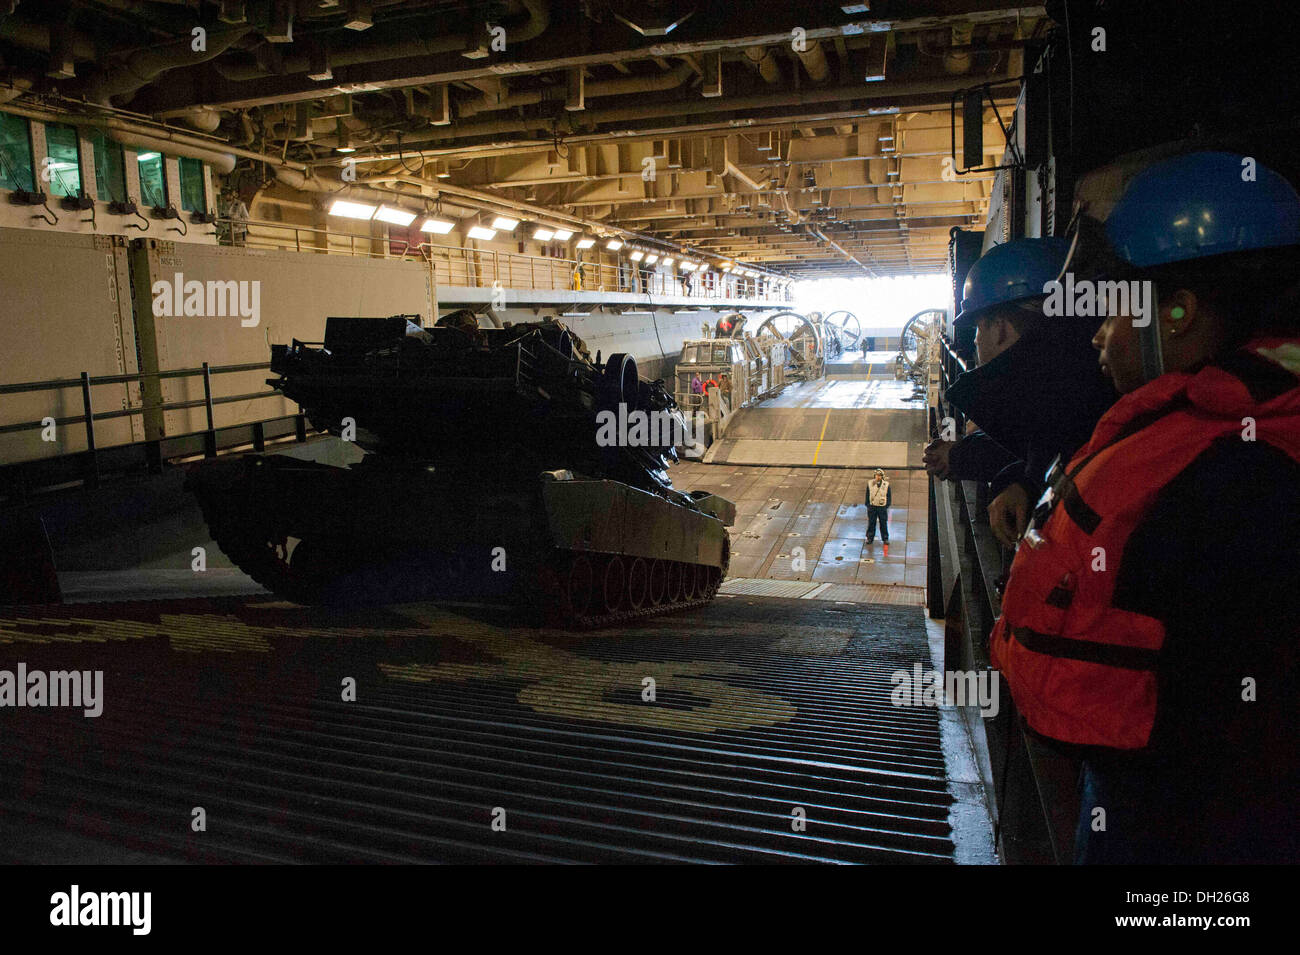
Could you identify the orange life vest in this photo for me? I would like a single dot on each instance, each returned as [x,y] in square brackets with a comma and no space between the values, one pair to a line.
[1080,669]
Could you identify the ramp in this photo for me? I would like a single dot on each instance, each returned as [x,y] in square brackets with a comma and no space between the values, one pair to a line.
[798,437]
[835,423]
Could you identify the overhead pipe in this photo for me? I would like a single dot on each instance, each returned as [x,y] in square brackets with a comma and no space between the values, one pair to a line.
[296,179]
[350,56]
[36,36]
[222,162]
[144,66]
[765,62]
[687,128]
[410,46]
[883,93]
[14,89]
[669,79]
[383,78]
[841,250]
[539,18]
[814,61]
[205,119]
[954,61]
[161,138]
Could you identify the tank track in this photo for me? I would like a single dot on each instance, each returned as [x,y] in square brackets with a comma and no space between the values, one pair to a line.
[268,562]
[258,558]
[560,608]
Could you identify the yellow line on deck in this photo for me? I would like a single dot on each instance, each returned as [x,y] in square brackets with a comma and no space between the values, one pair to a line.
[825,422]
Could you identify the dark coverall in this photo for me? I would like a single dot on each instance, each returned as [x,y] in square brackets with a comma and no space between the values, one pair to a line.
[977,457]
[1038,399]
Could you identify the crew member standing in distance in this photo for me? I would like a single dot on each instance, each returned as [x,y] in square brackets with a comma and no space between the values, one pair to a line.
[879,499]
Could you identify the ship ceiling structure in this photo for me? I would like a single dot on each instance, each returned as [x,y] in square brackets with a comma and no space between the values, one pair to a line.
[807,139]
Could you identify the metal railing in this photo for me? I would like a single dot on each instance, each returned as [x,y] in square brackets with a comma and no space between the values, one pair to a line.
[86,465]
[481,268]
[1031,789]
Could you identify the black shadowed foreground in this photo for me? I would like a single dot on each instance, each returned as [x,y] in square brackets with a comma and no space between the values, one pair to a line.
[749,730]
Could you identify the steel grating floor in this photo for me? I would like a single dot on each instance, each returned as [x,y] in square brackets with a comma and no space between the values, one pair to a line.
[764,707]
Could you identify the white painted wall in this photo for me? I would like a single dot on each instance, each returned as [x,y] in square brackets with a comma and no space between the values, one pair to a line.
[296,293]
[65,309]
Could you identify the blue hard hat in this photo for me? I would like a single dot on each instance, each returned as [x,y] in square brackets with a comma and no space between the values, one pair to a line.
[1197,205]
[1011,272]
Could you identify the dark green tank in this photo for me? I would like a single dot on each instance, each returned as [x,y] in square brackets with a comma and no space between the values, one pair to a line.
[488,474]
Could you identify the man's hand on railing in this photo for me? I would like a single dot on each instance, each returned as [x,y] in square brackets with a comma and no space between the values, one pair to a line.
[1009,515]
[935,458]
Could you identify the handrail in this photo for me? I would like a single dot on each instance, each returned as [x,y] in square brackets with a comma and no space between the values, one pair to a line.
[1030,788]
[54,384]
[950,364]
[479,268]
[89,416]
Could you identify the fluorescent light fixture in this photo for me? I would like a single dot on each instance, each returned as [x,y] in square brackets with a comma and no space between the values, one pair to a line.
[892,172]
[689,266]
[637,256]
[856,7]
[668,262]
[726,268]
[563,235]
[504,222]
[440,226]
[345,149]
[613,245]
[886,139]
[481,232]
[651,259]
[545,235]
[353,210]
[586,243]
[395,216]
[145,157]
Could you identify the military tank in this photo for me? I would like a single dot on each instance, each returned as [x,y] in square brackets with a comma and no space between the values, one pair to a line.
[499,464]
